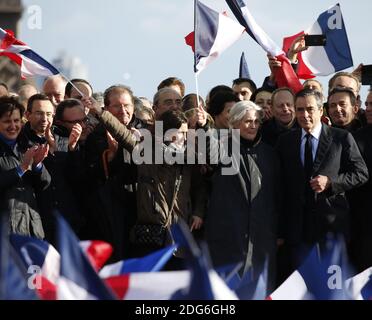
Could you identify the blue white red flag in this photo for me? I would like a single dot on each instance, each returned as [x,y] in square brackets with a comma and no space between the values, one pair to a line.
[285,76]
[213,33]
[334,56]
[151,263]
[78,280]
[30,62]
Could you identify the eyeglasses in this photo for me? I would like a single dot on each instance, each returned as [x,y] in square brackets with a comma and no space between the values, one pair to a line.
[79,121]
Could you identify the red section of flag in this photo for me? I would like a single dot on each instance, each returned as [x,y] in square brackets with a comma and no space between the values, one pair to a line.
[119,285]
[285,76]
[48,290]
[190,40]
[98,253]
[303,71]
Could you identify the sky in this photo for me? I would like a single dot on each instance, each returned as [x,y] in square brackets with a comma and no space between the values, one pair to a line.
[139,43]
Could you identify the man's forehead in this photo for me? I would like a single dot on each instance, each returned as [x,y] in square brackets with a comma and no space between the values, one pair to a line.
[346,82]
[339,96]
[43,104]
[170,96]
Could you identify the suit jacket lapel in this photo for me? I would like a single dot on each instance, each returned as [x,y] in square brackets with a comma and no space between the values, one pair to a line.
[325,141]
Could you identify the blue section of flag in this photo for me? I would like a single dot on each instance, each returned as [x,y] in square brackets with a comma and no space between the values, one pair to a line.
[32,251]
[75,265]
[206,26]
[236,7]
[200,287]
[325,275]
[243,68]
[337,47]
[13,276]
[367,290]
[151,263]
[32,55]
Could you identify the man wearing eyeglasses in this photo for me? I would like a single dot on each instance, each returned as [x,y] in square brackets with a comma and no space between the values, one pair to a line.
[65,161]
[111,168]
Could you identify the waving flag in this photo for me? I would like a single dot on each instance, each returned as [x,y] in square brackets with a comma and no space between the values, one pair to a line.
[334,56]
[205,284]
[243,68]
[151,263]
[149,285]
[98,252]
[318,278]
[36,252]
[14,281]
[30,62]
[78,280]
[213,33]
[285,76]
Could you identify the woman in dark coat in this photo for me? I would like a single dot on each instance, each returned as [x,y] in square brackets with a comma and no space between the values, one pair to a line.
[22,173]
[242,218]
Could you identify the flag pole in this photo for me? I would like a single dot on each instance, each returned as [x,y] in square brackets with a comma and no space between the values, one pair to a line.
[197,89]
[73,85]
[195,70]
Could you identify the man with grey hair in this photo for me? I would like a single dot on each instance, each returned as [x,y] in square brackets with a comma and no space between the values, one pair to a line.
[166,99]
[319,164]
[54,89]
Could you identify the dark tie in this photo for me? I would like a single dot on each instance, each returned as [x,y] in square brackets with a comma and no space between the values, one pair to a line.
[308,160]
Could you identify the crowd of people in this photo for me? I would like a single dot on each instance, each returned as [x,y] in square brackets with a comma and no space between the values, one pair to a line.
[303,165]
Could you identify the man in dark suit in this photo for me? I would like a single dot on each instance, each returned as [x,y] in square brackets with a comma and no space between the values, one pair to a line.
[319,164]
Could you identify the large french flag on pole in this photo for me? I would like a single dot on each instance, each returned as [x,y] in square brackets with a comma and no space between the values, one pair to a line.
[285,76]
[324,60]
[213,33]
[30,62]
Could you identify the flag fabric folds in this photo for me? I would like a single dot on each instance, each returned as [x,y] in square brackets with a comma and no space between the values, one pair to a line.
[78,280]
[285,76]
[30,62]
[14,280]
[213,33]
[98,252]
[152,263]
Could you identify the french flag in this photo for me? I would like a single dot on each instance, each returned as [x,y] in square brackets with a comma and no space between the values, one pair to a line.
[334,56]
[213,33]
[14,279]
[78,280]
[285,76]
[36,252]
[152,263]
[318,278]
[30,62]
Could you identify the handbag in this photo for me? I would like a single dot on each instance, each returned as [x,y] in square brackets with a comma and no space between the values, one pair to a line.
[156,234]
[149,234]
